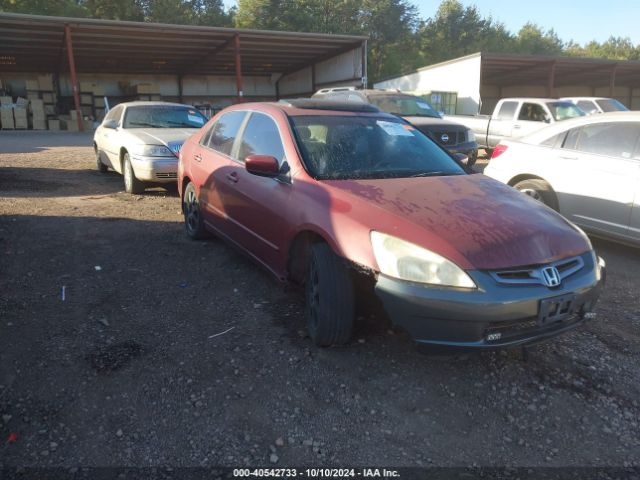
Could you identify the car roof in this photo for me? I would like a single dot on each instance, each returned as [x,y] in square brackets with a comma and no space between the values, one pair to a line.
[529,99]
[585,98]
[312,106]
[142,103]
[563,126]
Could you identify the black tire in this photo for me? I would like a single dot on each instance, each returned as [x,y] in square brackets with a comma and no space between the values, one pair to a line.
[131,183]
[539,190]
[193,222]
[330,298]
[472,159]
[102,168]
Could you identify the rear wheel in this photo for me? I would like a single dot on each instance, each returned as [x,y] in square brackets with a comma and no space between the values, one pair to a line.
[538,190]
[330,299]
[193,222]
[131,183]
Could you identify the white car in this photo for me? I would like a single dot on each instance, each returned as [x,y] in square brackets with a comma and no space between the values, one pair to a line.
[591,105]
[142,141]
[588,169]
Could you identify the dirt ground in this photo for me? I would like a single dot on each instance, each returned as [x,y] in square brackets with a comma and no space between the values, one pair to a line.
[122,343]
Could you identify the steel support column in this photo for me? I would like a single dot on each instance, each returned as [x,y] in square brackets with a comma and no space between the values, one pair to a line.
[364,59]
[74,77]
[612,80]
[180,88]
[551,80]
[238,68]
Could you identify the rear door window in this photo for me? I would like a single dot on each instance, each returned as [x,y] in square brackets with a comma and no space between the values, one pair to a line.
[588,106]
[261,137]
[507,111]
[611,139]
[223,134]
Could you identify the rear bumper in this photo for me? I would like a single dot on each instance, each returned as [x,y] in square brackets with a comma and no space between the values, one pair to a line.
[494,315]
[155,169]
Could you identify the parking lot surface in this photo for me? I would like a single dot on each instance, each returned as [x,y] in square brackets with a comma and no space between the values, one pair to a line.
[124,343]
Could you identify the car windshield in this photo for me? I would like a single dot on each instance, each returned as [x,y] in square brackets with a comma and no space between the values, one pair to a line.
[564,110]
[163,116]
[373,146]
[611,105]
[404,105]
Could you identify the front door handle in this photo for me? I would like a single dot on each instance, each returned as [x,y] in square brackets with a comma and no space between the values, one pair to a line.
[232,177]
[197,158]
[568,157]
[517,127]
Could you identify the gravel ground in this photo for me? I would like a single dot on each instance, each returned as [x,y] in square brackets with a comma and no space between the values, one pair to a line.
[132,368]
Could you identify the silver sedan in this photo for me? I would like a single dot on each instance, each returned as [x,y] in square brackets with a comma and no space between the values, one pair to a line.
[588,169]
[142,141]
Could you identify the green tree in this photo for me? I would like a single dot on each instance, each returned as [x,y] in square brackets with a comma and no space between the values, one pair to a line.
[531,39]
[115,9]
[68,8]
[456,30]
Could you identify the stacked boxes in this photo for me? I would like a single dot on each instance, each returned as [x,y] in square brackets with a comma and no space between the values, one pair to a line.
[6,113]
[39,118]
[20,113]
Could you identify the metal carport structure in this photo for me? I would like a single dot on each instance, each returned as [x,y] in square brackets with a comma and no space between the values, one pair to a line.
[294,62]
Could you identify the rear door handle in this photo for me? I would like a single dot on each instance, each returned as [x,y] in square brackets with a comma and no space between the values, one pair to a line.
[232,177]
[517,127]
[197,158]
[568,157]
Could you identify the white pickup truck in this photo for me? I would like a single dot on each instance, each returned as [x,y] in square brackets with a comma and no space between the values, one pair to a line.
[516,117]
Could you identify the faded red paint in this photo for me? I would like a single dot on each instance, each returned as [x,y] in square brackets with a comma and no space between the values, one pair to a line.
[474,221]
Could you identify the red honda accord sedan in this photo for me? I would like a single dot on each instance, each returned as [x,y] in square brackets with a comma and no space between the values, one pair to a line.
[323,193]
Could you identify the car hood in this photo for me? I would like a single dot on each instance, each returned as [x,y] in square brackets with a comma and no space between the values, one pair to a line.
[434,122]
[475,221]
[161,136]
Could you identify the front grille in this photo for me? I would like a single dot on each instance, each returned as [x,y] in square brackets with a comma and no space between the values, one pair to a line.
[447,137]
[509,330]
[533,275]
[166,175]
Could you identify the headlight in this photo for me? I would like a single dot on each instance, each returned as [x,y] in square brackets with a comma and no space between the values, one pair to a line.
[406,261]
[471,137]
[152,151]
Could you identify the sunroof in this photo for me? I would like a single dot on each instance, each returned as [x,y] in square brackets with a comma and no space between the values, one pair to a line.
[319,104]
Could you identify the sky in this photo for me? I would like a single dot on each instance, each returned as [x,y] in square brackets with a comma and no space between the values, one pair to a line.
[580,20]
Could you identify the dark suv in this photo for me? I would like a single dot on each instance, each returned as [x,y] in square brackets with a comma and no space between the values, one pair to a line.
[454,137]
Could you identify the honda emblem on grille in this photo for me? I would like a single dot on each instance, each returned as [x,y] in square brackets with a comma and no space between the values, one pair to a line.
[551,276]
[444,138]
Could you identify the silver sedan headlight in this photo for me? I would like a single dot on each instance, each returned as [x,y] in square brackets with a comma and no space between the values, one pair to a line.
[152,151]
[406,261]
[471,137]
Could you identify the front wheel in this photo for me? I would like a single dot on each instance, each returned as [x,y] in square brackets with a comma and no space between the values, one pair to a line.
[193,222]
[538,190]
[330,298]
[131,183]
[102,168]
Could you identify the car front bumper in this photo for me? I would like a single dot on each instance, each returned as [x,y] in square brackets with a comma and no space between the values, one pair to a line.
[493,315]
[470,149]
[155,169]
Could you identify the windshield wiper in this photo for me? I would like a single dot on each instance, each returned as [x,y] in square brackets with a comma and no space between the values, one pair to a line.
[181,124]
[432,174]
[144,124]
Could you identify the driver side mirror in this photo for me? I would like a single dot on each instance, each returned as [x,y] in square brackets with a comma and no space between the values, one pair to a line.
[262,165]
[112,124]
